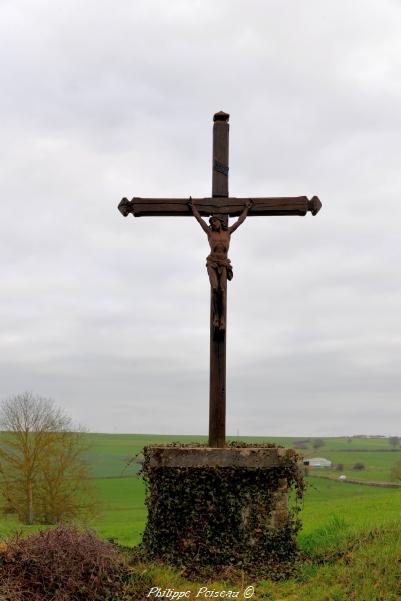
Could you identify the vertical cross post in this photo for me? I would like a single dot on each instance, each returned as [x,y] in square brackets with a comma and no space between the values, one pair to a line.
[217,390]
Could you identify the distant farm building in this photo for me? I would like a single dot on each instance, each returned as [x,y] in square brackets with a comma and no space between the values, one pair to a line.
[319,462]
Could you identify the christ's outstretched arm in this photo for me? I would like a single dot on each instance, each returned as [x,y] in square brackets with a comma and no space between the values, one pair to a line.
[241,218]
[197,216]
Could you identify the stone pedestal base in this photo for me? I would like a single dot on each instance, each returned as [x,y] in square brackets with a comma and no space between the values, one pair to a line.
[221,507]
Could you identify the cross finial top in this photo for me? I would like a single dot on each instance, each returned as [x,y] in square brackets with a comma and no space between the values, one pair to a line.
[221,116]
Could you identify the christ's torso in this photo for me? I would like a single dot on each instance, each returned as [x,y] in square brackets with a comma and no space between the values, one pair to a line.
[219,242]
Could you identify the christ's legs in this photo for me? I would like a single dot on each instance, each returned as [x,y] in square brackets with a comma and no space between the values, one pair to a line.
[214,283]
[223,297]
[213,277]
[218,283]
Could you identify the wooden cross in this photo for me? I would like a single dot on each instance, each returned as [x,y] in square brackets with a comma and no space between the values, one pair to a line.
[224,206]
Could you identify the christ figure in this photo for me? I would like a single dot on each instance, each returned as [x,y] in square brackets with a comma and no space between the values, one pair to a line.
[217,263]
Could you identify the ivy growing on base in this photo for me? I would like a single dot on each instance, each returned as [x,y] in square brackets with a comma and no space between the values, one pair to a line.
[207,520]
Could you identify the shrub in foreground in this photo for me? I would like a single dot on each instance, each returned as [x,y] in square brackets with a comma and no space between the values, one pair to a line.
[61,565]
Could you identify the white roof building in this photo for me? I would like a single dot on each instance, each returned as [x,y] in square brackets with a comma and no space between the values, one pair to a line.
[319,462]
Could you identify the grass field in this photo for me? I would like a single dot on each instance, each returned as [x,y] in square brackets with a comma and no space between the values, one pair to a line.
[121,492]
[338,517]
[110,452]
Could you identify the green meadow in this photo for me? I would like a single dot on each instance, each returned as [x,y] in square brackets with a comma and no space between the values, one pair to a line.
[110,453]
[340,520]
[121,492]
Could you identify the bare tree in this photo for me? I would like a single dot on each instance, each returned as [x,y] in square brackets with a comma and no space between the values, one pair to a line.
[394,442]
[317,443]
[43,471]
[395,472]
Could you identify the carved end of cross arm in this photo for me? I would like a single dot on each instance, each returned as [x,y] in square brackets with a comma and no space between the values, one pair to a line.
[314,205]
[126,206]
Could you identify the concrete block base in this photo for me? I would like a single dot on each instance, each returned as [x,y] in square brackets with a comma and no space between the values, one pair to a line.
[215,508]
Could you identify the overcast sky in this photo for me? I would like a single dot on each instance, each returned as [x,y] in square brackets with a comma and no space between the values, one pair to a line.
[110,316]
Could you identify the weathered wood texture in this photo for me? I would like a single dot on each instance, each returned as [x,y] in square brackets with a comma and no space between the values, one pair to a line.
[217,385]
[220,154]
[217,376]
[178,207]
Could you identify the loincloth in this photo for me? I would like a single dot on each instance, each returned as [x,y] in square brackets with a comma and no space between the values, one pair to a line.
[218,263]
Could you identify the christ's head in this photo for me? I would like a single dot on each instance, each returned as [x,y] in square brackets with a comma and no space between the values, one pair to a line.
[216,223]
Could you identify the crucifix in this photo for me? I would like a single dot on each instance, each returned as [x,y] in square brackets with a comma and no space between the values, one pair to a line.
[220,206]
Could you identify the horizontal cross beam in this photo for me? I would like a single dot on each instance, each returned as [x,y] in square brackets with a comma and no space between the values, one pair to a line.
[142,207]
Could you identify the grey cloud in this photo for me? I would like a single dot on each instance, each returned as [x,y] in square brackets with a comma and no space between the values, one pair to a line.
[110,316]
